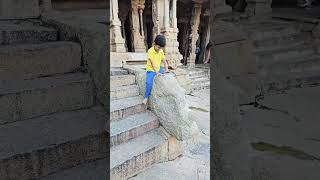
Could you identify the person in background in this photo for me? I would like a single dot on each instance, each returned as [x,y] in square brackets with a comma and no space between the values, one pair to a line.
[155,58]
[207,54]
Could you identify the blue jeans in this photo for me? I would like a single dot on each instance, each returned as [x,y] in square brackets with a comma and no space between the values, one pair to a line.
[149,81]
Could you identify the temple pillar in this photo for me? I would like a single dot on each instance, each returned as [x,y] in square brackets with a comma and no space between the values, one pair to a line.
[137,7]
[117,42]
[195,22]
[165,22]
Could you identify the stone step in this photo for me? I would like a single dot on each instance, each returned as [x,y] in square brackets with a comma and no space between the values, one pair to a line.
[201,85]
[18,32]
[271,32]
[21,100]
[120,92]
[266,58]
[193,75]
[131,127]
[287,81]
[26,61]
[128,159]
[125,107]
[122,80]
[118,71]
[90,171]
[48,144]
[201,76]
[297,65]
[263,23]
[276,43]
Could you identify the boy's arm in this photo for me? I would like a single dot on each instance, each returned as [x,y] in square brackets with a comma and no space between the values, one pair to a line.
[153,66]
[166,66]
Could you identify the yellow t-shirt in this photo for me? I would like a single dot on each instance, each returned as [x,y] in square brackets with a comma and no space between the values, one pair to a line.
[157,58]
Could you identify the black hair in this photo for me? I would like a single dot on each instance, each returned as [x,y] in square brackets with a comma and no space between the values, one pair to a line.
[160,40]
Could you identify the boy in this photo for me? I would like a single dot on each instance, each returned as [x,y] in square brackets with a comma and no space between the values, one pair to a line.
[154,68]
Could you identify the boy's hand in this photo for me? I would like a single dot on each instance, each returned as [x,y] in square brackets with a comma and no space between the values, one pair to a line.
[159,74]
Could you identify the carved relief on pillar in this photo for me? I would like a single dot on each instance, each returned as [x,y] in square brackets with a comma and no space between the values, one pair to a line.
[137,7]
[117,42]
[165,22]
[194,35]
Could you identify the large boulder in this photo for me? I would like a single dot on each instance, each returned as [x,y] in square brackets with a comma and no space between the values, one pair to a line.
[168,102]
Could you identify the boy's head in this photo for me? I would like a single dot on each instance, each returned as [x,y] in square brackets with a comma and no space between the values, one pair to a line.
[159,42]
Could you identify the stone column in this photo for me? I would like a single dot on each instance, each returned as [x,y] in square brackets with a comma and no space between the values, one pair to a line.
[137,7]
[259,8]
[168,27]
[195,21]
[117,43]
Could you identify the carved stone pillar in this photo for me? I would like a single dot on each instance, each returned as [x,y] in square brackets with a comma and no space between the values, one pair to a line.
[117,43]
[195,22]
[137,7]
[164,19]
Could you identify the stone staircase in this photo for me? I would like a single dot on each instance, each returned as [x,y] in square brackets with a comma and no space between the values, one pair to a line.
[200,78]
[286,56]
[49,120]
[136,139]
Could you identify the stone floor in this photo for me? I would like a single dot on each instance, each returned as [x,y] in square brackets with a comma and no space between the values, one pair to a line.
[284,128]
[194,164]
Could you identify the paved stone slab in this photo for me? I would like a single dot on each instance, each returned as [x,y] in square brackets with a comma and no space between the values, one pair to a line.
[125,107]
[22,32]
[290,116]
[128,159]
[132,127]
[123,91]
[280,167]
[35,60]
[40,146]
[32,98]
[19,9]
[93,171]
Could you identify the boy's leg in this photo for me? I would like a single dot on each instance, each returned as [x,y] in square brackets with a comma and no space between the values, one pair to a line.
[149,83]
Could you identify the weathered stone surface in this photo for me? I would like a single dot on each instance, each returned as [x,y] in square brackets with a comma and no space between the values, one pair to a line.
[125,107]
[19,9]
[61,141]
[32,98]
[30,61]
[124,91]
[23,32]
[131,158]
[89,28]
[122,80]
[168,102]
[93,171]
[131,127]
[316,31]
[231,144]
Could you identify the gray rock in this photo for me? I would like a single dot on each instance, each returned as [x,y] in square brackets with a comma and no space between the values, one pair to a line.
[168,102]
[316,31]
